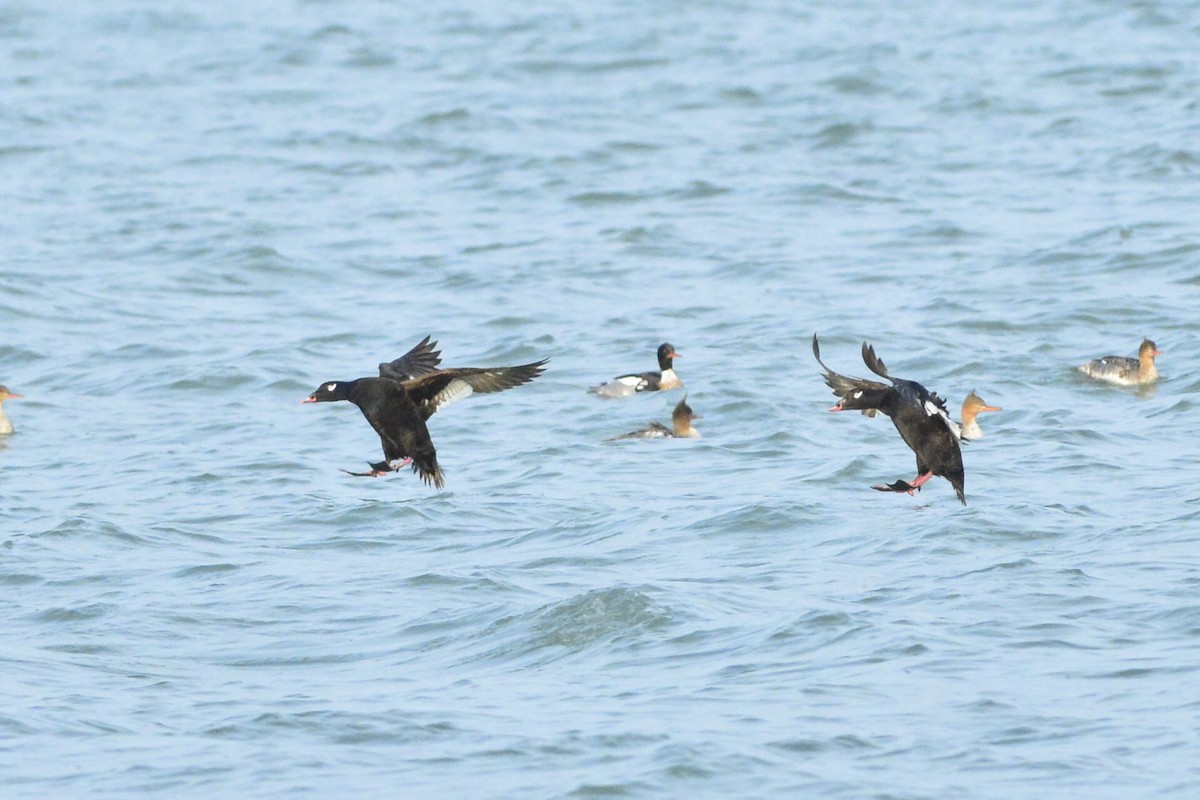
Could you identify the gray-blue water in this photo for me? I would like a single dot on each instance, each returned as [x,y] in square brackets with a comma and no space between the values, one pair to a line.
[207,209]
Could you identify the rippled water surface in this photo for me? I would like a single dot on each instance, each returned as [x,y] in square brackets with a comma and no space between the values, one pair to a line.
[209,209]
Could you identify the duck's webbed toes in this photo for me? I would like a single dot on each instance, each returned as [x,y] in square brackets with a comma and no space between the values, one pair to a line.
[898,486]
[377,469]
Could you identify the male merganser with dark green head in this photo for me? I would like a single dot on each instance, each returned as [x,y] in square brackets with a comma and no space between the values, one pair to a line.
[625,385]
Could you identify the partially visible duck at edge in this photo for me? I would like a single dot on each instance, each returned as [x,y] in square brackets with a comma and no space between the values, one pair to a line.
[6,426]
[1126,371]
[972,406]
[681,426]
[625,385]
[919,415]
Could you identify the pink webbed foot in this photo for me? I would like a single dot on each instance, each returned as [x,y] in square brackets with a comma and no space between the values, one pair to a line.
[922,480]
[905,486]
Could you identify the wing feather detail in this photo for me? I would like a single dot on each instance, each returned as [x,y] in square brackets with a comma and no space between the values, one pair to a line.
[421,360]
[842,385]
[445,386]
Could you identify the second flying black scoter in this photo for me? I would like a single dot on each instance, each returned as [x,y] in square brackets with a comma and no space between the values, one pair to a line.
[407,393]
[918,414]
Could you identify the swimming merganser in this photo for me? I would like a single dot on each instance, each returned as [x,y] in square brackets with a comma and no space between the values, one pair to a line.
[407,393]
[1126,371]
[625,385]
[681,426]
[918,414]
[972,405]
[6,425]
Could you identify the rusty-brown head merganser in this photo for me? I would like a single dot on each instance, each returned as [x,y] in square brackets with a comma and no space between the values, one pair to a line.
[918,414]
[6,426]
[973,405]
[1126,371]
[681,426]
[407,393]
[625,385]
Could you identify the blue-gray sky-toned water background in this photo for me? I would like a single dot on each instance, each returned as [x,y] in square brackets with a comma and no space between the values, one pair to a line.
[206,210]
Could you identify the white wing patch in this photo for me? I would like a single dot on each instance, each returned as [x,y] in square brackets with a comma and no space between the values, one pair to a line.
[456,390]
[617,387]
[932,409]
[329,387]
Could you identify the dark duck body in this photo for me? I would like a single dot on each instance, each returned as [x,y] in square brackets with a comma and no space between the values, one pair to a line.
[406,394]
[919,415]
[625,385]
